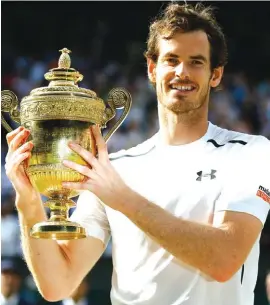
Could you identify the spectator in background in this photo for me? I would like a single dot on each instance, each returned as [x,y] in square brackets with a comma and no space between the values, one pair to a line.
[11,282]
[10,231]
[83,295]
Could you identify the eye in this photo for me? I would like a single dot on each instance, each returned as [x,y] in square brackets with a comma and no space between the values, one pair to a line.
[196,62]
[171,61]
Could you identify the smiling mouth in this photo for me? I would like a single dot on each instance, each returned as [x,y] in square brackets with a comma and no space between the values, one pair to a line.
[185,88]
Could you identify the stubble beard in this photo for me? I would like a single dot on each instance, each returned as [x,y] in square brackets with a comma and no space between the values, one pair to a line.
[187,110]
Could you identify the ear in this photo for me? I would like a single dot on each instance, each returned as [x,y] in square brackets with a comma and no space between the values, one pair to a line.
[151,70]
[216,77]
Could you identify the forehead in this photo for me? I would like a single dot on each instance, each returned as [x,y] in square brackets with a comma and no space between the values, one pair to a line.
[186,44]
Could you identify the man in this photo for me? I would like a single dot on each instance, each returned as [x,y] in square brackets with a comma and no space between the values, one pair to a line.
[11,281]
[185,208]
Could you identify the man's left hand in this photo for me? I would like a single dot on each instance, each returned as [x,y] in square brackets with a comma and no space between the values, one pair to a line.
[101,177]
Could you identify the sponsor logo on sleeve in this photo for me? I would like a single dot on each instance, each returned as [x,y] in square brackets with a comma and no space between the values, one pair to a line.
[264,194]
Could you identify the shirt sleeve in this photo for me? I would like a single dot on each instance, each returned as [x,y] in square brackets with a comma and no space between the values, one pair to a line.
[90,213]
[246,185]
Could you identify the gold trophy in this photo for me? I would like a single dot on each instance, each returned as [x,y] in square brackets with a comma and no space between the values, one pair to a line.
[55,115]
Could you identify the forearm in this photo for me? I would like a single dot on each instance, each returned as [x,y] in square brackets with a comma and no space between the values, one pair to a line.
[201,246]
[45,258]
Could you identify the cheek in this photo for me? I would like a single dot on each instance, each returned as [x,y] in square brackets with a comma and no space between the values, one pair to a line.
[201,76]
[163,79]
[203,82]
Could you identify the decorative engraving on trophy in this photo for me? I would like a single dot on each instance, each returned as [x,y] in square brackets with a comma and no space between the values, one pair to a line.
[59,107]
[8,102]
[44,108]
[74,89]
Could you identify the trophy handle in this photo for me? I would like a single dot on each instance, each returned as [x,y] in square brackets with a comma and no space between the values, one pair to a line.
[118,98]
[9,103]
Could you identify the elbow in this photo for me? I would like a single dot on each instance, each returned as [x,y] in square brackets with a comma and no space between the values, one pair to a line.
[51,294]
[224,273]
[52,297]
[223,277]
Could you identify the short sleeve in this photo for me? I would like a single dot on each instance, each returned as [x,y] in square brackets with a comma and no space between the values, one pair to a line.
[90,213]
[246,185]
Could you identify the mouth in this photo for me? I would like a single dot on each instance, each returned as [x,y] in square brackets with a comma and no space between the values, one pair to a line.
[184,89]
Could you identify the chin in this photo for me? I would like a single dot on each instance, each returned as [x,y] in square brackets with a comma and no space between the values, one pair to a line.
[181,107]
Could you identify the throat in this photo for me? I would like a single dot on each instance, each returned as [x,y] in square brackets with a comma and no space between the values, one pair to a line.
[183,128]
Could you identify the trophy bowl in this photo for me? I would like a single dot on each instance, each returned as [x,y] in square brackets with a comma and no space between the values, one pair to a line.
[56,115]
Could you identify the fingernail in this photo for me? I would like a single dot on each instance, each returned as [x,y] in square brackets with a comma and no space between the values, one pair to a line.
[72,144]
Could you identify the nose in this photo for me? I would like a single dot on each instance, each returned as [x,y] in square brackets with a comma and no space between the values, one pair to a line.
[182,71]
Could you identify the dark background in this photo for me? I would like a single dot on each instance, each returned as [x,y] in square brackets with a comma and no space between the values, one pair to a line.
[36,27]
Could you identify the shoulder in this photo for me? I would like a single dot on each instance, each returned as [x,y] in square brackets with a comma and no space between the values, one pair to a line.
[243,154]
[238,142]
[134,152]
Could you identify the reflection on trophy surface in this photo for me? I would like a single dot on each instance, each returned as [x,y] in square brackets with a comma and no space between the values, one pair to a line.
[55,115]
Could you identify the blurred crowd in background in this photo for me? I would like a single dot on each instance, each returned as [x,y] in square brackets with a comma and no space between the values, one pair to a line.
[242,104]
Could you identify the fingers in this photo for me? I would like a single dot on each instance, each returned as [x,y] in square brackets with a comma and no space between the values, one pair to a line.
[86,155]
[82,169]
[101,144]
[25,147]
[13,133]
[76,185]
[12,166]
[17,139]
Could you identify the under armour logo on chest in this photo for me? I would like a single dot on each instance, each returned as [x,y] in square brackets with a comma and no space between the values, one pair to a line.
[202,175]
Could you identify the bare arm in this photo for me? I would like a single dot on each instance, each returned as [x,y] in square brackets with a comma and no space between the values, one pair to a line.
[57,267]
[217,251]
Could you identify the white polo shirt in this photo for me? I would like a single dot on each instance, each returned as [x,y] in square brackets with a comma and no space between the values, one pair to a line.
[224,170]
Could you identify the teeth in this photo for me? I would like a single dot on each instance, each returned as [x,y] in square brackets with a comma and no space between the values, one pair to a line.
[182,88]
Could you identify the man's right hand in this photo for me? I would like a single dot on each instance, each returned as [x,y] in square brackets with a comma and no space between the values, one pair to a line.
[19,151]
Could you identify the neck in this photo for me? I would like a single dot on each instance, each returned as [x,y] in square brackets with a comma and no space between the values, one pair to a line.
[180,129]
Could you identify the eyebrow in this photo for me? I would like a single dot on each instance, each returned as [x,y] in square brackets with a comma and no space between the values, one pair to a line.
[169,54]
[198,57]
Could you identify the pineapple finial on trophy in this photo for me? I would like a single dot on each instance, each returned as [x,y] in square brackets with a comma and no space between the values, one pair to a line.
[64,61]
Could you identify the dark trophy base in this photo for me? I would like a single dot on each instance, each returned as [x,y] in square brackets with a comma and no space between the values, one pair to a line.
[58,230]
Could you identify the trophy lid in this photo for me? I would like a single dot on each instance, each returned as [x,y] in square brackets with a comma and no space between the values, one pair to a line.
[63,98]
[63,78]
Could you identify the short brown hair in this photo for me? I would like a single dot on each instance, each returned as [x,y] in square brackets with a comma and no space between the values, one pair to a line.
[188,18]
